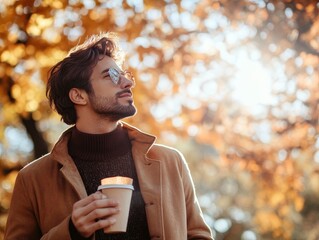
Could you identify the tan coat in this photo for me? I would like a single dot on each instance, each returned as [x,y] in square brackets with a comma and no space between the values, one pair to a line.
[46,190]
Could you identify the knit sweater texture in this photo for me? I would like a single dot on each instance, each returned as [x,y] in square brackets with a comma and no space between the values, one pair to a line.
[98,156]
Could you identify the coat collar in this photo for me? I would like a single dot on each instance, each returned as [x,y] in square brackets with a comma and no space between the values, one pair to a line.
[148,170]
[142,139]
[69,170]
[145,141]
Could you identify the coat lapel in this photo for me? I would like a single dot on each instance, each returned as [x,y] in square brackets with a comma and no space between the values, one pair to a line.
[68,169]
[72,175]
[150,181]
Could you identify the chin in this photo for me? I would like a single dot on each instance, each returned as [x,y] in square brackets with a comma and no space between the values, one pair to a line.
[129,111]
[134,111]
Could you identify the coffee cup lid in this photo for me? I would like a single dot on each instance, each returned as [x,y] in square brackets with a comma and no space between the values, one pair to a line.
[123,186]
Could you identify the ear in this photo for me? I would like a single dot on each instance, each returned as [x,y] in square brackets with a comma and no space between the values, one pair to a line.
[78,96]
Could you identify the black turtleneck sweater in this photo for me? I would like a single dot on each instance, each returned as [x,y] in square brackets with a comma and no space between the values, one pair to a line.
[98,156]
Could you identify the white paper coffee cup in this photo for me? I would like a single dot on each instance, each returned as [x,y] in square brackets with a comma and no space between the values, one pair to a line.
[123,194]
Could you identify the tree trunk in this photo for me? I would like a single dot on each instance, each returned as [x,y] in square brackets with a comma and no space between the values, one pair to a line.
[40,145]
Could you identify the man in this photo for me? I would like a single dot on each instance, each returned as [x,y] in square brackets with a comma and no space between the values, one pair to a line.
[56,197]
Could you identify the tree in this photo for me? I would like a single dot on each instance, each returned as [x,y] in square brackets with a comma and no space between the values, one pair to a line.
[232,83]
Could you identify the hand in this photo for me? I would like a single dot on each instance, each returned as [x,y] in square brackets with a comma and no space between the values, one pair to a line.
[92,213]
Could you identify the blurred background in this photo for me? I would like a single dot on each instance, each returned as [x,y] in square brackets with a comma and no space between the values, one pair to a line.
[233,84]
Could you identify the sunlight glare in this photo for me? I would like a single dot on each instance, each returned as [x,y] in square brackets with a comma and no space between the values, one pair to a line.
[252,83]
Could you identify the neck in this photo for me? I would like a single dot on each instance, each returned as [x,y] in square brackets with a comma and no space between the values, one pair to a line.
[98,146]
[96,127]
[90,122]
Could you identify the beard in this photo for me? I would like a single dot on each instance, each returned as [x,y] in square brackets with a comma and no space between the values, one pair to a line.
[110,108]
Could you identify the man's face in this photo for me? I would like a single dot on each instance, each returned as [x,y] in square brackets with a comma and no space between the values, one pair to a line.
[110,100]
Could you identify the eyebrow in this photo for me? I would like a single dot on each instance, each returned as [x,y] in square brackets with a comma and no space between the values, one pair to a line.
[107,69]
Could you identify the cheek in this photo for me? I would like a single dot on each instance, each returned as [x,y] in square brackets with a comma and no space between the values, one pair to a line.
[105,92]
[103,89]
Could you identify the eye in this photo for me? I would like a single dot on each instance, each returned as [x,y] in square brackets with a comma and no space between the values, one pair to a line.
[114,75]
[113,72]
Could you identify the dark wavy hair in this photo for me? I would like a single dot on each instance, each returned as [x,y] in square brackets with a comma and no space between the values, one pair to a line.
[75,71]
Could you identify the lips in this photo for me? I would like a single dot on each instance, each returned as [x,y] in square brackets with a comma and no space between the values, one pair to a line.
[123,94]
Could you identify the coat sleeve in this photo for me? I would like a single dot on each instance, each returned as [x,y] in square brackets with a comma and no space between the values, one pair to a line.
[23,223]
[196,226]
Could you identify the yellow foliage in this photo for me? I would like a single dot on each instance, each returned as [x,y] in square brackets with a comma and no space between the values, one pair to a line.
[277,147]
[38,23]
[8,57]
[311,7]
[16,91]
[299,203]
[34,30]
[267,221]
[52,4]
[277,198]
[99,14]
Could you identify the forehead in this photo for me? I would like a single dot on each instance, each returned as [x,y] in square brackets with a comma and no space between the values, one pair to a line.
[105,62]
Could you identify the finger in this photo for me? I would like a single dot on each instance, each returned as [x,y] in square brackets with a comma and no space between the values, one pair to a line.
[79,212]
[88,229]
[101,213]
[85,201]
[103,223]
[97,204]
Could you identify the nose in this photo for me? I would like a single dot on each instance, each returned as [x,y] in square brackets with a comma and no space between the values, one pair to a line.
[126,83]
